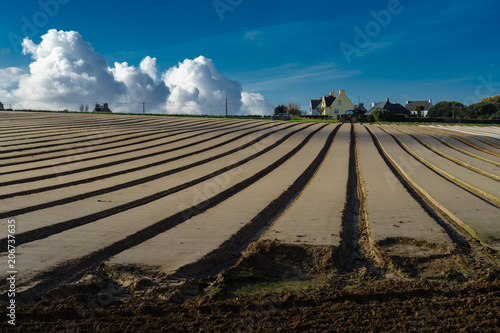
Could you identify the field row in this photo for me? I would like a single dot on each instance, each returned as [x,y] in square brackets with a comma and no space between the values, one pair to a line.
[184,197]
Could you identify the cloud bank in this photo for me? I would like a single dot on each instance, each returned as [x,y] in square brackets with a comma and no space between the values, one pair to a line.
[66,71]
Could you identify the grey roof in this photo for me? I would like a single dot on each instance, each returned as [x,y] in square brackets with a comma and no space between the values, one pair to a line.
[329,100]
[360,107]
[395,108]
[315,103]
[411,105]
[102,108]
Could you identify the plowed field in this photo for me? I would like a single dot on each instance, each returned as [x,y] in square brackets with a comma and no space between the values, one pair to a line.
[129,223]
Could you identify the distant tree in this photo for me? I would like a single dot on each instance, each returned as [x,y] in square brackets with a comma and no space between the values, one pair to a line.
[87,108]
[294,109]
[280,109]
[82,107]
[483,109]
[494,99]
[446,109]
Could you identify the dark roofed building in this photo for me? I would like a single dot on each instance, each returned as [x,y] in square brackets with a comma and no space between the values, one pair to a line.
[361,108]
[315,107]
[102,108]
[393,108]
[329,100]
[411,105]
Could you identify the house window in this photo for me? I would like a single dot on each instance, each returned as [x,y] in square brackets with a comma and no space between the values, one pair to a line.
[340,102]
[336,111]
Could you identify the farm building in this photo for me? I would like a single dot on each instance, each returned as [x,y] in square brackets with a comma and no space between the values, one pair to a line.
[315,107]
[393,108]
[102,108]
[411,105]
[361,107]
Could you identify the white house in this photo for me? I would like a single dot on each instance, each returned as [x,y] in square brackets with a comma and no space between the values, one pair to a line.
[315,107]
[411,105]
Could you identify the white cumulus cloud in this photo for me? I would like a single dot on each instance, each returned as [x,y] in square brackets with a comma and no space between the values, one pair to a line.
[10,76]
[9,79]
[141,87]
[197,87]
[148,65]
[255,104]
[66,70]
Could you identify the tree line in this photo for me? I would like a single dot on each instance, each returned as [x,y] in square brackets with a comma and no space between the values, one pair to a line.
[488,108]
[292,108]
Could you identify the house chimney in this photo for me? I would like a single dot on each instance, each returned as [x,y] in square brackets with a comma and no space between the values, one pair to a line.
[373,104]
[387,99]
[342,91]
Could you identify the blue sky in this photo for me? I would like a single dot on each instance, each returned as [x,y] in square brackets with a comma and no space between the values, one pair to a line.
[289,50]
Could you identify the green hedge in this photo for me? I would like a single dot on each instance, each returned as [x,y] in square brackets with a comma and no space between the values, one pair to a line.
[453,121]
[315,117]
[381,115]
[398,118]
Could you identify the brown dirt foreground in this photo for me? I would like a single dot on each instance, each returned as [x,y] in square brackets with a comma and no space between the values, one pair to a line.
[275,288]
[379,306]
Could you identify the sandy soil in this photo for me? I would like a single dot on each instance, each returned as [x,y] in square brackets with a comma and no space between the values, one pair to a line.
[75,158]
[477,180]
[315,217]
[141,164]
[479,215]
[96,203]
[473,142]
[395,212]
[46,254]
[205,233]
[481,164]
[472,130]
[304,231]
